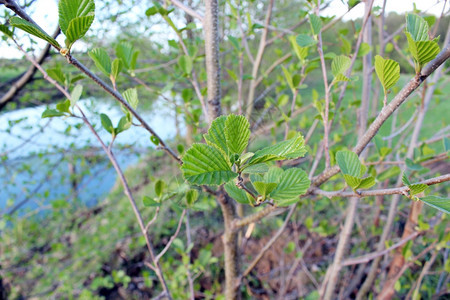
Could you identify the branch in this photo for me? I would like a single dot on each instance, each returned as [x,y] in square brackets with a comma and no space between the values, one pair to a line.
[187,10]
[172,238]
[386,112]
[267,246]
[258,59]
[392,191]
[27,76]
[368,257]
[238,223]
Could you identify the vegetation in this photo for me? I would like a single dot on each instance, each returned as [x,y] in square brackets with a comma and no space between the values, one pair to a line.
[306,148]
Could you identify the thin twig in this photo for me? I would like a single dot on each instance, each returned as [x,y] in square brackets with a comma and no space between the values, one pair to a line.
[172,238]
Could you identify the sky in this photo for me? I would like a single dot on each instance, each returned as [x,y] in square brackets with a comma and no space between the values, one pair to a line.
[46,15]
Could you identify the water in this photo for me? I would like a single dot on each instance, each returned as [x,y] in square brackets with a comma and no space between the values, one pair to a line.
[36,155]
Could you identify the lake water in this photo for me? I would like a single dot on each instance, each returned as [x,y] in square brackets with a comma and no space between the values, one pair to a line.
[36,155]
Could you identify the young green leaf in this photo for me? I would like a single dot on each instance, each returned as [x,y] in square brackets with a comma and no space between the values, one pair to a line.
[57,74]
[288,77]
[415,189]
[366,183]
[124,51]
[106,123]
[71,9]
[388,72]
[349,163]
[264,188]
[49,113]
[301,52]
[316,24]
[149,202]
[304,40]
[340,64]
[293,183]
[63,106]
[131,96]
[185,64]
[124,124]
[6,31]
[237,133]
[417,27]
[405,180]
[78,28]
[191,197]
[160,185]
[256,169]
[204,164]
[33,30]
[101,60]
[236,193]
[289,149]
[116,67]
[75,95]
[442,204]
[216,134]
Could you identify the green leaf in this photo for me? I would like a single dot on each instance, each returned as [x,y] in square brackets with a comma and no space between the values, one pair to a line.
[352,181]
[412,166]
[256,169]
[417,27]
[388,72]
[301,52]
[340,64]
[131,96]
[33,30]
[149,202]
[236,193]
[124,51]
[304,40]
[446,142]
[106,123]
[273,175]
[101,60]
[63,106]
[204,164]
[216,134]
[116,67]
[6,31]
[71,9]
[405,180]
[191,196]
[293,183]
[154,140]
[185,64]
[341,77]
[364,49]
[415,189]
[443,204]
[288,76]
[366,183]
[349,163]
[427,51]
[48,113]
[237,133]
[75,95]
[57,75]
[160,185]
[78,28]
[289,149]
[316,24]
[264,188]
[124,124]
[389,173]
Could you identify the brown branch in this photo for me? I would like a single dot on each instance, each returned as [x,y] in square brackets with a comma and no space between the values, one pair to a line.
[18,85]
[172,238]
[387,111]
[368,257]
[187,10]
[392,191]
[258,59]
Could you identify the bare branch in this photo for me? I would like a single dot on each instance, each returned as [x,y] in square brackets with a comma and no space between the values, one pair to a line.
[187,10]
